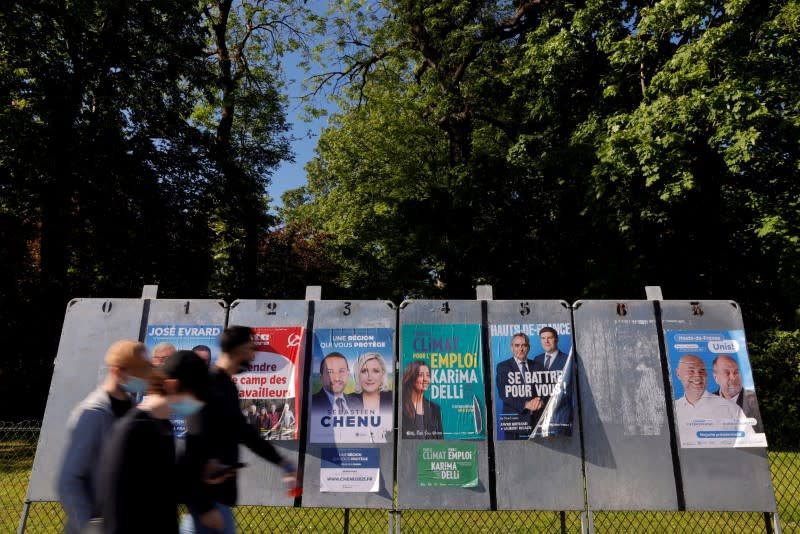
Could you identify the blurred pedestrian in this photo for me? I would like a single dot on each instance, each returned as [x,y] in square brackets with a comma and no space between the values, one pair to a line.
[216,432]
[88,428]
[140,479]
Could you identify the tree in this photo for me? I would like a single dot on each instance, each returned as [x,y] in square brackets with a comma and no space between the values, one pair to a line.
[100,170]
[246,127]
[702,171]
[626,144]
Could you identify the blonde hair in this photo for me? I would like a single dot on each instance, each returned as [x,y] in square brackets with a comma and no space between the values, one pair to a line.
[362,360]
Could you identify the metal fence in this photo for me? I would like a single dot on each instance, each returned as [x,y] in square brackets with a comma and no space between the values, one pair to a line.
[18,446]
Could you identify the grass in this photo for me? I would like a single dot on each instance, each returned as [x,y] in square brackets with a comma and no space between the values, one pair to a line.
[16,459]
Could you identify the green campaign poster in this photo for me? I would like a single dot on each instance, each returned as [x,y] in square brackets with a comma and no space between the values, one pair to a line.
[442,382]
[452,465]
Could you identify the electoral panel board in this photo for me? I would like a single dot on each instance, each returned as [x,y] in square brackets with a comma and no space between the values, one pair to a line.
[722,448]
[443,450]
[350,405]
[628,454]
[270,393]
[537,431]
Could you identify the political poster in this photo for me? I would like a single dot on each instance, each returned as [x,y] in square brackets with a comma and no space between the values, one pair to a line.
[712,384]
[533,378]
[351,389]
[203,339]
[350,470]
[447,466]
[442,382]
[268,392]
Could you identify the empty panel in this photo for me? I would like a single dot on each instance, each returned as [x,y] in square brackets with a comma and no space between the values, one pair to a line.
[90,327]
[628,458]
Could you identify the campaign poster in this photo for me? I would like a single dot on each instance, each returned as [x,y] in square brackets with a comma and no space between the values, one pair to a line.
[712,384]
[203,339]
[533,380]
[352,377]
[447,466]
[442,382]
[350,470]
[268,392]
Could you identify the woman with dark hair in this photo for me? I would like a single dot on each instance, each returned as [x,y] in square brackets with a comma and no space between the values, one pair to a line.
[139,477]
[422,419]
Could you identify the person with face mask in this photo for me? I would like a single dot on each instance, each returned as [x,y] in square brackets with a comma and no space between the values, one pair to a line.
[215,434]
[89,426]
[139,476]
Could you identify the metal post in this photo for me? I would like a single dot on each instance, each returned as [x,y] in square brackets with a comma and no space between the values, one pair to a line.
[776,523]
[313,292]
[587,522]
[483,292]
[150,292]
[653,293]
[346,529]
[563,518]
[24,518]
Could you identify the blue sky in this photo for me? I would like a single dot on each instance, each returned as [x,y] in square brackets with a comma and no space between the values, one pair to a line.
[292,175]
[306,134]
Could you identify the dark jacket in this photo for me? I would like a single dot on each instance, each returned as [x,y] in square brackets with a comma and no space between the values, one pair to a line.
[139,479]
[431,427]
[216,432]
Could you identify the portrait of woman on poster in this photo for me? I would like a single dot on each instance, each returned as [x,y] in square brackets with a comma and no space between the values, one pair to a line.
[372,384]
[422,418]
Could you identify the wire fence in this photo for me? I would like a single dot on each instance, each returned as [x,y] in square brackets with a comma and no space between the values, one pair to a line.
[18,447]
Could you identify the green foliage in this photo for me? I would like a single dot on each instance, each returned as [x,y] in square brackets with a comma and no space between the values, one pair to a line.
[709,154]
[775,358]
[112,173]
[379,162]
[634,142]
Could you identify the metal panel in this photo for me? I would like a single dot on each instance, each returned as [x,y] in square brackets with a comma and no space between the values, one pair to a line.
[729,479]
[90,326]
[187,311]
[543,473]
[410,495]
[332,314]
[628,457]
[261,483]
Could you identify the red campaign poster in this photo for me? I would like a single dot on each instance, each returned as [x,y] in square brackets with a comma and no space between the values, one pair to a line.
[269,391]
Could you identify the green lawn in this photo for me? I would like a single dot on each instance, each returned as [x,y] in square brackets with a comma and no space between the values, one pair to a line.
[16,459]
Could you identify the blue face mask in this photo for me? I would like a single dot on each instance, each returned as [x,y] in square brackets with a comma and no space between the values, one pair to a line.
[134,385]
[185,407]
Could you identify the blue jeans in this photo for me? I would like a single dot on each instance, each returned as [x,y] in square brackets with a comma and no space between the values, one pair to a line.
[190,523]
